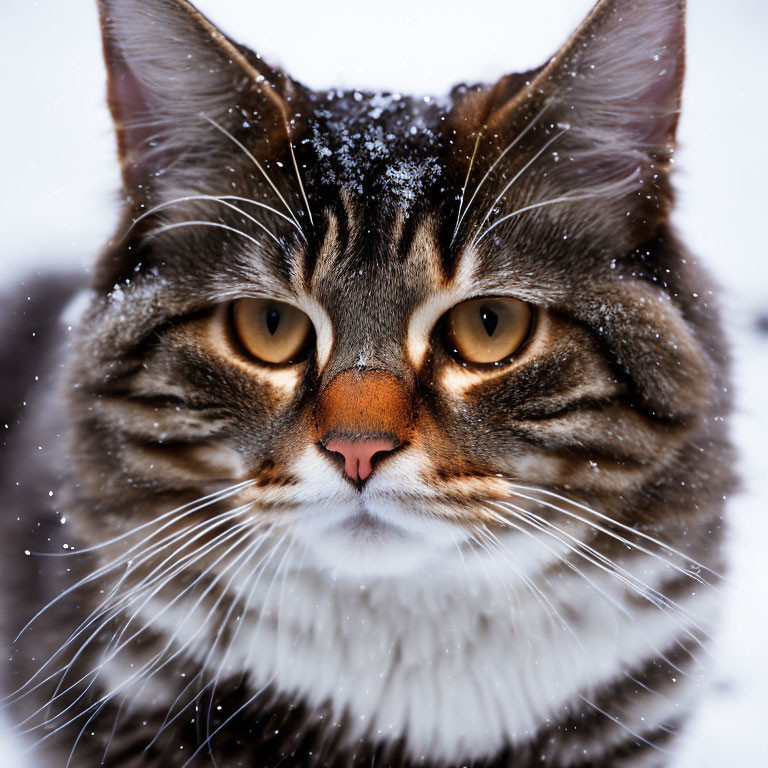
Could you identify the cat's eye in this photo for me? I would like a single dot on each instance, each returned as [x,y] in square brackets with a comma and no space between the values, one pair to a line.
[271,331]
[487,330]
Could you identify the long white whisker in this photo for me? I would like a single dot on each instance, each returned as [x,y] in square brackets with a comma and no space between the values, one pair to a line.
[189,508]
[183,565]
[600,592]
[115,649]
[248,216]
[633,545]
[623,526]
[525,209]
[253,159]
[464,188]
[222,665]
[510,146]
[509,184]
[231,717]
[110,609]
[213,198]
[597,192]
[301,184]
[622,725]
[94,715]
[605,563]
[597,559]
[243,558]
[516,512]
[196,223]
[115,640]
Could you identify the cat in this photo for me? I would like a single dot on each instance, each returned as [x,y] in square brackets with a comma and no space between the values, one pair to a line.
[390,431]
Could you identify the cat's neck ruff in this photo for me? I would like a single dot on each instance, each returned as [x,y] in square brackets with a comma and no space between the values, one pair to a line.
[460,659]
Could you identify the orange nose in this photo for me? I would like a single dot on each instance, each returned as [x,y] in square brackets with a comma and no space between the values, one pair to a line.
[361,414]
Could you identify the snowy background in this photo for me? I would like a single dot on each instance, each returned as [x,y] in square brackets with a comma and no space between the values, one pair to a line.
[59,185]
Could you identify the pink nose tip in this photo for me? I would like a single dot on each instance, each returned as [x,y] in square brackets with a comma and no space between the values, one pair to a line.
[358,453]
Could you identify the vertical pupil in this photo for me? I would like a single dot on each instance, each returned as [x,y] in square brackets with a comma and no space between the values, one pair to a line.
[273,320]
[490,320]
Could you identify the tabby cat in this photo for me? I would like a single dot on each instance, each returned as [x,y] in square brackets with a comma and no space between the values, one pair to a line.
[389,432]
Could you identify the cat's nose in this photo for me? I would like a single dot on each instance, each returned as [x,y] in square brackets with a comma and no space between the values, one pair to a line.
[361,414]
[358,454]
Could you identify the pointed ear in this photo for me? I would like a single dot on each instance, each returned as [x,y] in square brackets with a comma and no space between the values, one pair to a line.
[619,77]
[612,97]
[172,77]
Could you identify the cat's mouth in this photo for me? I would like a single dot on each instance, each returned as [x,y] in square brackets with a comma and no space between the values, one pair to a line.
[368,526]
[370,535]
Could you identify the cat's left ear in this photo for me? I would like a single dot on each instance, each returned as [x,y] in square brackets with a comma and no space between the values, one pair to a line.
[177,86]
[601,114]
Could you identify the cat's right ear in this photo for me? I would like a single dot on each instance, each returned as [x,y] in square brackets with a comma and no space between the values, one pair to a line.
[177,86]
[606,105]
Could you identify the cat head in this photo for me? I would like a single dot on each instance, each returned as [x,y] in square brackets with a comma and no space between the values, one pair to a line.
[377,318]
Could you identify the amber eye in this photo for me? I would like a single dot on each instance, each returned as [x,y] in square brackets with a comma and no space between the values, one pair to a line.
[487,330]
[271,331]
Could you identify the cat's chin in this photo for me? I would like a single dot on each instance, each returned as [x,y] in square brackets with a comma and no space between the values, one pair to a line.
[364,545]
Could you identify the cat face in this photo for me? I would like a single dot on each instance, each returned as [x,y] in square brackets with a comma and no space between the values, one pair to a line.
[389,324]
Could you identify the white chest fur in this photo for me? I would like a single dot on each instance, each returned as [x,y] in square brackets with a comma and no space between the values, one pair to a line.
[460,659]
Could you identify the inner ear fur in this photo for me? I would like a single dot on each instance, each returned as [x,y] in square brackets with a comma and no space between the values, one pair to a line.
[170,73]
[608,102]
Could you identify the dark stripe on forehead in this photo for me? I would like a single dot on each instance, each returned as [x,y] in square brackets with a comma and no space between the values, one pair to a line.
[371,236]
[409,229]
[449,249]
[311,251]
[334,213]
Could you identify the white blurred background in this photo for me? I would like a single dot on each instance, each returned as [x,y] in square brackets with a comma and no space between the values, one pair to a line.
[59,187]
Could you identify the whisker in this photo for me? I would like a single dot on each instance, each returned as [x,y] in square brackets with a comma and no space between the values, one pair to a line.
[229,719]
[301,185]
[602,561]
[510,146]
[623,526]
[221,666]
[567,563]
[663,603]
[81,732]
[242,213]
[504,191]
[253,159]
[218,225]
[150,669]
[113,654]
[213,198]
[183,566]
[115,646]
[464,188]
[623,725]
[190,509]
[525,209]
[111,609]
[603,191]
[600,592]
[544,601]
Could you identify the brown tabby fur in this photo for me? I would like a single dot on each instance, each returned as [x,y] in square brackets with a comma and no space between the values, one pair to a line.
[376,209]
